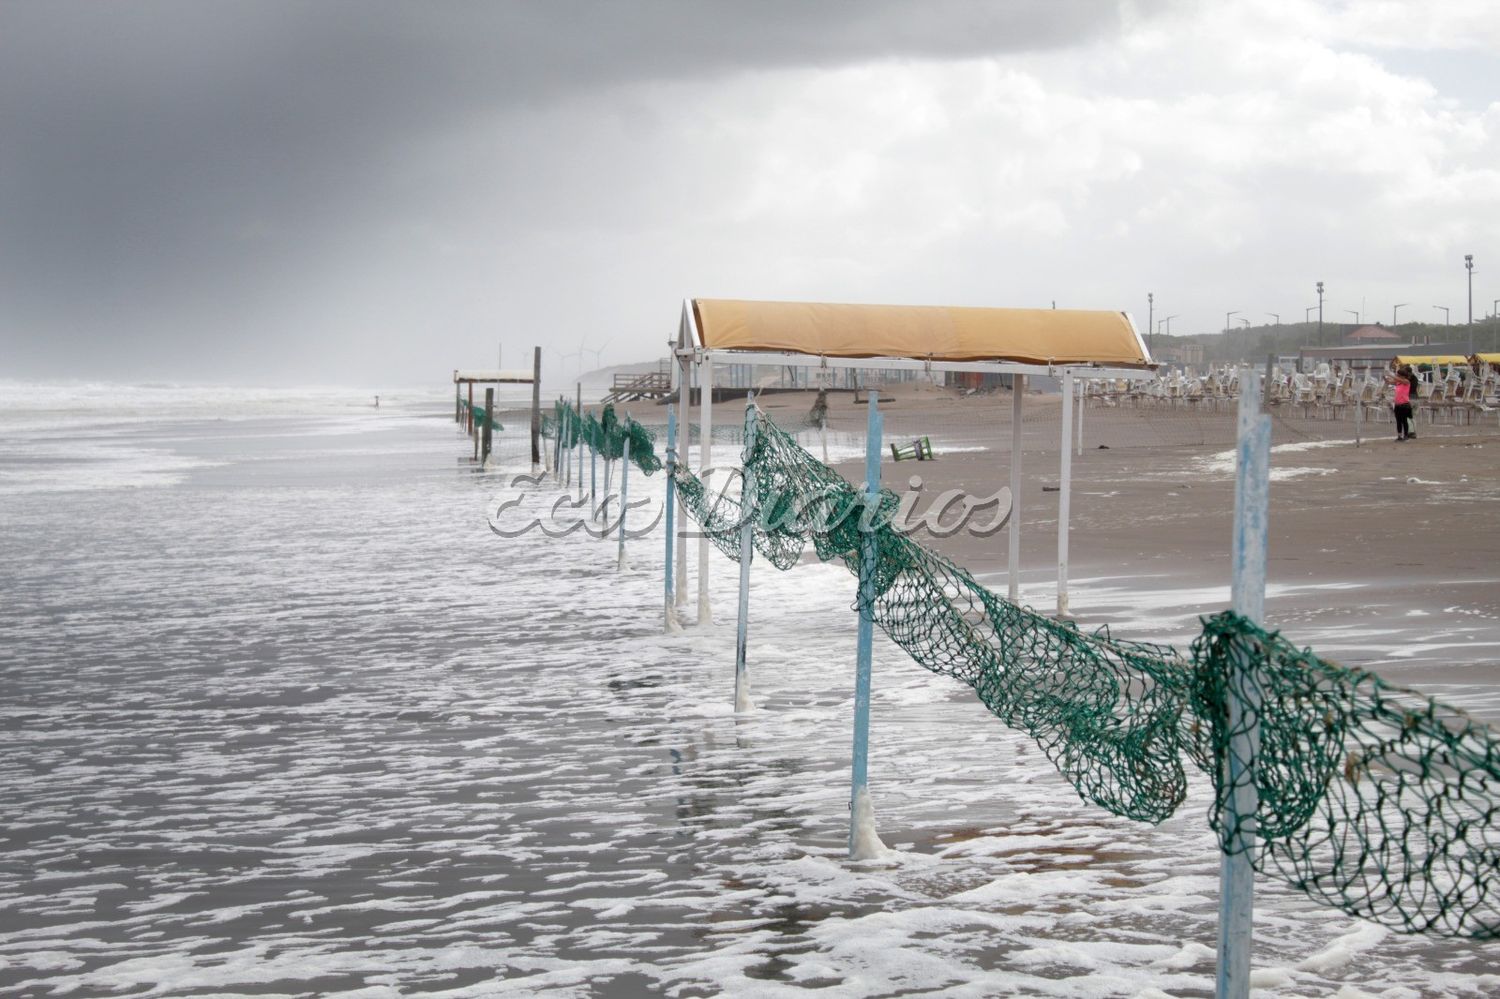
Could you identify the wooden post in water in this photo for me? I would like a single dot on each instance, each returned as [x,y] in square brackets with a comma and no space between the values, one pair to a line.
[1247,597]
[747,555]
[489,422]
[458,401]
[471,409]
[863,843]
[536,408]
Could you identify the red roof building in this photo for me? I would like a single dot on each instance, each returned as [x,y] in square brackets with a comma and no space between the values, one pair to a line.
[1371,334]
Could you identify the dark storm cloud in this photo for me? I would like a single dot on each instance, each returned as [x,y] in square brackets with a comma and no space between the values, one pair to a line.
[168,169]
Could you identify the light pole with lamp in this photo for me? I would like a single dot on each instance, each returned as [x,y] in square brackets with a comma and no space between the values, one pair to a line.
[1168,321]
[1150,314]
[1227,324]
[1355,314]
[1245,321]
[1320,313]
[1469,265]
[1394,309]
[1307,313]
[1276,316]
[1445,313]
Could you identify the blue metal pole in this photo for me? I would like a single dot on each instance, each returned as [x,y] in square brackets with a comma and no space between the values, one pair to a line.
[1247,596]
[572,419]
[747,553]
[868,554]
[667,563]
[620,562]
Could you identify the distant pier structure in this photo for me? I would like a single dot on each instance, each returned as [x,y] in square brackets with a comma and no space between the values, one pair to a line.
[479,422]
[630,387]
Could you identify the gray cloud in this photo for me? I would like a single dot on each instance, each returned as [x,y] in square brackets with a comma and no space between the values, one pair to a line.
[334,190]
[173,174]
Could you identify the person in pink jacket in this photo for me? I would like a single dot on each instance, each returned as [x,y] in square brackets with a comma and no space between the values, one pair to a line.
[1405,382]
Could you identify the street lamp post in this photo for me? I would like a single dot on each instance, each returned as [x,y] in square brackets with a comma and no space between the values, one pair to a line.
[1150,312]
[1275,316]
[1307,313]
[1445,313]
[1355,314]
[1394,310]
[1245,321]
[1320,313]
[1469,265]
[1168,321]
[1227,324]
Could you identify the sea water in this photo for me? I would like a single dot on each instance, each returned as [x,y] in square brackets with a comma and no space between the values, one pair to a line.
[282,714]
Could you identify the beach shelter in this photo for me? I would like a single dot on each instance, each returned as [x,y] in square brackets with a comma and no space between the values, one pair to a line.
[1070,343]
[1416,359]
[464,411]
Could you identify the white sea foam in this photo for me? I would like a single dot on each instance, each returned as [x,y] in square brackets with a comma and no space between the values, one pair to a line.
[351,742]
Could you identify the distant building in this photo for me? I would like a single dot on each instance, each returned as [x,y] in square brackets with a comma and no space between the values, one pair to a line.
[1187,354]
[1373,355]
[1370,335]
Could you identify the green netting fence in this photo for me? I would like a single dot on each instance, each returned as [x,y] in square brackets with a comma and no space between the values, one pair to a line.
[604,434]
[1372,798]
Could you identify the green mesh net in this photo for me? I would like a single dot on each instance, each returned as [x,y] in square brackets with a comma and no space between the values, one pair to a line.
[561,423]
[1375,799]
[606,435]
[642,446]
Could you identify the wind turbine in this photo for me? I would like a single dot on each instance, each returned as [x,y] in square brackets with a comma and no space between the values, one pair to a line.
[596,351]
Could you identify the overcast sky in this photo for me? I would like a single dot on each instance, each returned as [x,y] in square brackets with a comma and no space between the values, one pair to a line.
[377,192]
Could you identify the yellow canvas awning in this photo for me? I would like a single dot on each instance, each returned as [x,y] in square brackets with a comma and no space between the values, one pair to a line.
[1431,359]
[1489,358]
[923,332]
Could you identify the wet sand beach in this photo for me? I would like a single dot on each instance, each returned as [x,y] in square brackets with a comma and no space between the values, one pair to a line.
[281,715]
[1399,542]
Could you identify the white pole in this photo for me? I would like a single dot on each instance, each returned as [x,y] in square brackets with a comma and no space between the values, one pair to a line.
[604,500]
[747,554]
[1018,390]
[1082,395]
[685,457]
[563,463]
[580,441]
[1064,500]
[620,563]
[864,844]
[705,465]
[1359,414]
[1247,596]
[669,606]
